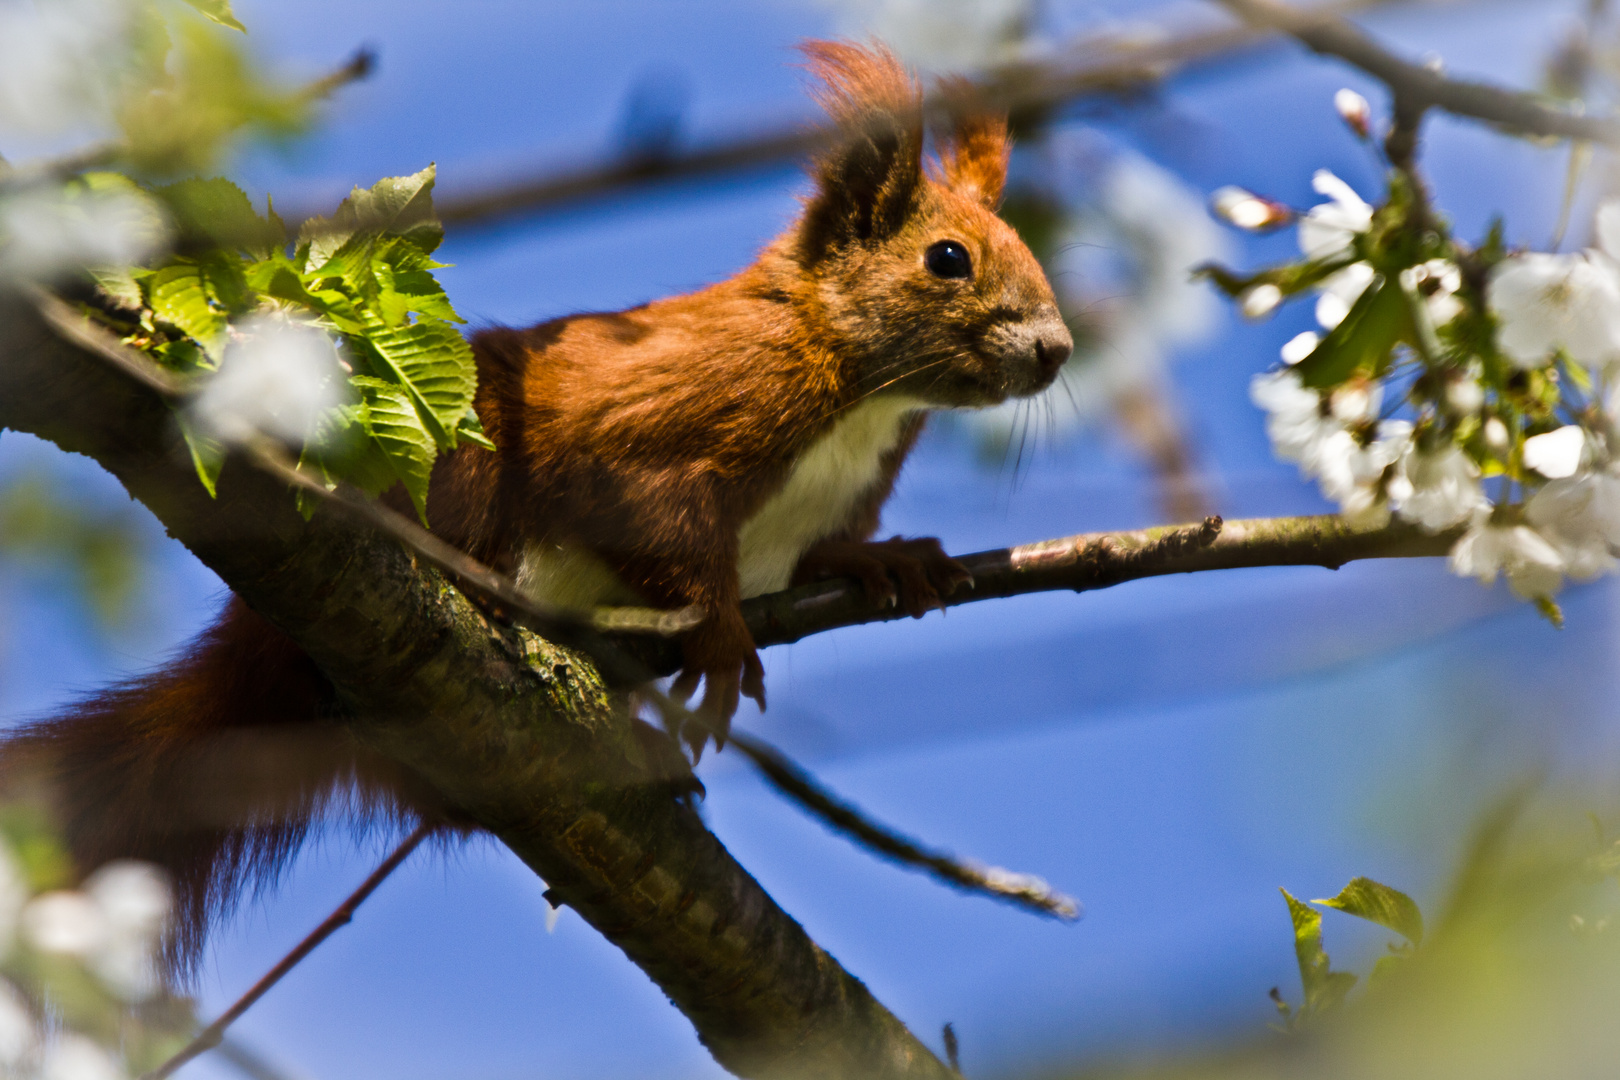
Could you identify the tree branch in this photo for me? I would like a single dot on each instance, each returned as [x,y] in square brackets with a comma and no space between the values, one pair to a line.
[518,735]
[1100,64]
[1418,87]
[792,781]
[1083,563]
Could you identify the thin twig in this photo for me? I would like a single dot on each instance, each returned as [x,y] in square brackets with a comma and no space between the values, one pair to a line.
[1094,64]
[1419,86]
[791,780]
[211,1035]
[103,154]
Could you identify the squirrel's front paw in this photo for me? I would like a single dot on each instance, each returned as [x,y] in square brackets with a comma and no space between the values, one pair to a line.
[920,567]
[721,653]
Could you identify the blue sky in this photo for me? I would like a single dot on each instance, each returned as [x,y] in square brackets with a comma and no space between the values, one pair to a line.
[1170,751]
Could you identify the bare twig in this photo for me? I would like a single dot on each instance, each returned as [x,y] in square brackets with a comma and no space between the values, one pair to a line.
[1095,64]
[103,154]
[212,1035]
[1420,87]
[792,781]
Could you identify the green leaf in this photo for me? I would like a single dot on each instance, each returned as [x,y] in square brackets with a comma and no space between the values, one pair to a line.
[1378,320]
[395,206]
[219,11]
[433,363]
[391,418]
[1367,899]
[178,294]
[1324,987]
[218,212]
[207,455]
[471,430]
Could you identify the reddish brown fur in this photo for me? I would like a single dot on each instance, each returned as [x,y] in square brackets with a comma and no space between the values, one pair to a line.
[648,437]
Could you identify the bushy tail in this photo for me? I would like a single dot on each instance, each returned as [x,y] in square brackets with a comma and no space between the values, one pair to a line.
[213,767]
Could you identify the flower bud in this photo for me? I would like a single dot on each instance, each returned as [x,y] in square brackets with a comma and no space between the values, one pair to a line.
[1246,210]
[1464,396]
[1496,434]
[1355,111]
[1260,301]
[1298,348]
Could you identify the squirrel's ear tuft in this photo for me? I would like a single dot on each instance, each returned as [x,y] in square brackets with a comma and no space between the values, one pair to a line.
[973,154]
[868,182]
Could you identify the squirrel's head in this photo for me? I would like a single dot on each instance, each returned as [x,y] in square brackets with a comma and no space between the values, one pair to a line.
[925,289]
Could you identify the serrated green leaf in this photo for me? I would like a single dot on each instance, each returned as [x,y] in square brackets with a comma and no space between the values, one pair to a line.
[1367,899]
[1377,321]
[433,363]
[471,430]
[391,418]
[1324,987]
[178,294]
[402,292]
[219,11]
[118,284]
[207,455]
[218,212]
[395,206]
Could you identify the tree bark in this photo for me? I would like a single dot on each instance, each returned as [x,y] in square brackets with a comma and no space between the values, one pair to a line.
[518,735]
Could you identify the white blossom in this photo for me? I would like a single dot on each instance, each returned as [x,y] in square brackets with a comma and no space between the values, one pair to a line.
[75,1057]
[1296,421]
[1608,228]
[1340,291]
[1546,301]
[1437,282]
[278,376]
[59,60]
[1444,488]
[942,35]
[13,897]
[1496,434]
[1355,111]
[1580,516]
[18,1030]
[1359,478]
[1260,301]
[47,231]
[1330,228]
[1556,454]
[1464,395]
[135,900]
[1300,346]
[68,923]
[1533,566]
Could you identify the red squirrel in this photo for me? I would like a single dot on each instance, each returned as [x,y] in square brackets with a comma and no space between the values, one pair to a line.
[697,450]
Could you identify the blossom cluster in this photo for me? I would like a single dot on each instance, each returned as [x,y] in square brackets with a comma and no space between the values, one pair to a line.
[72,963]
[1456,388]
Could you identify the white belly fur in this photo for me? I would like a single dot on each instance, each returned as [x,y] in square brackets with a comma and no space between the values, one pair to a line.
[820,494]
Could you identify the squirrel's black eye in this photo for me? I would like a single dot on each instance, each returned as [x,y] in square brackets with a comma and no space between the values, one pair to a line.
[948,259]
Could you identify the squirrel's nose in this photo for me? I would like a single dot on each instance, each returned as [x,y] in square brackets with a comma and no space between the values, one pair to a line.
[1052,347]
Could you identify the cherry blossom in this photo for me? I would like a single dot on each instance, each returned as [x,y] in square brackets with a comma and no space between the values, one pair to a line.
[1359,477]
[1580,516]
[1556,454]
[1534,568]
[277,378]
[47,232]
[1444,488]
[1544,302]
[1340,291]
[1330,228]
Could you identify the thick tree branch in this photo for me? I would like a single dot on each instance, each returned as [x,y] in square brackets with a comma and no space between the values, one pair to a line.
[1419,87]
[518,735]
